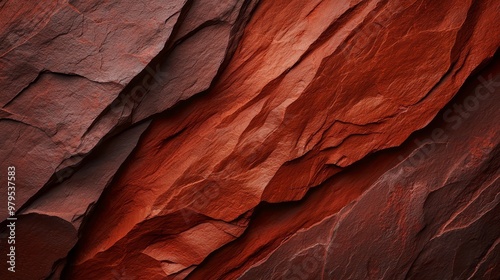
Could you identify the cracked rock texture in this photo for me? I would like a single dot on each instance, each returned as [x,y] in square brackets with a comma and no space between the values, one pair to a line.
[251,139]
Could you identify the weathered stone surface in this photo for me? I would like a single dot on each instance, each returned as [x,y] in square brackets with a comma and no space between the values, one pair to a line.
[201,46]
[41,242]
[62,64]
[252,139]
[426,210]
[292,108]
[66,68]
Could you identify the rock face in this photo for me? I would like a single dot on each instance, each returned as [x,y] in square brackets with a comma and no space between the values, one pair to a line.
[245,139]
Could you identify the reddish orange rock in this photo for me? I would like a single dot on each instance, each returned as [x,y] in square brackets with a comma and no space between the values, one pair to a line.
[252,139]
[405,213]
[294,107]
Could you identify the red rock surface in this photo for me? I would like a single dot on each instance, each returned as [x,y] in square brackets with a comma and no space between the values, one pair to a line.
[252,139]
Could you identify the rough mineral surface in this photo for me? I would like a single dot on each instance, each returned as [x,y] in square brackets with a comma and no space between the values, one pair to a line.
[247,139]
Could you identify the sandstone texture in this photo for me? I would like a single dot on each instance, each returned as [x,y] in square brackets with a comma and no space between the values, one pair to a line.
[251,139]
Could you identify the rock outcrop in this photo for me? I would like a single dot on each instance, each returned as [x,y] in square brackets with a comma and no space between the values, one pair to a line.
[252,139]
